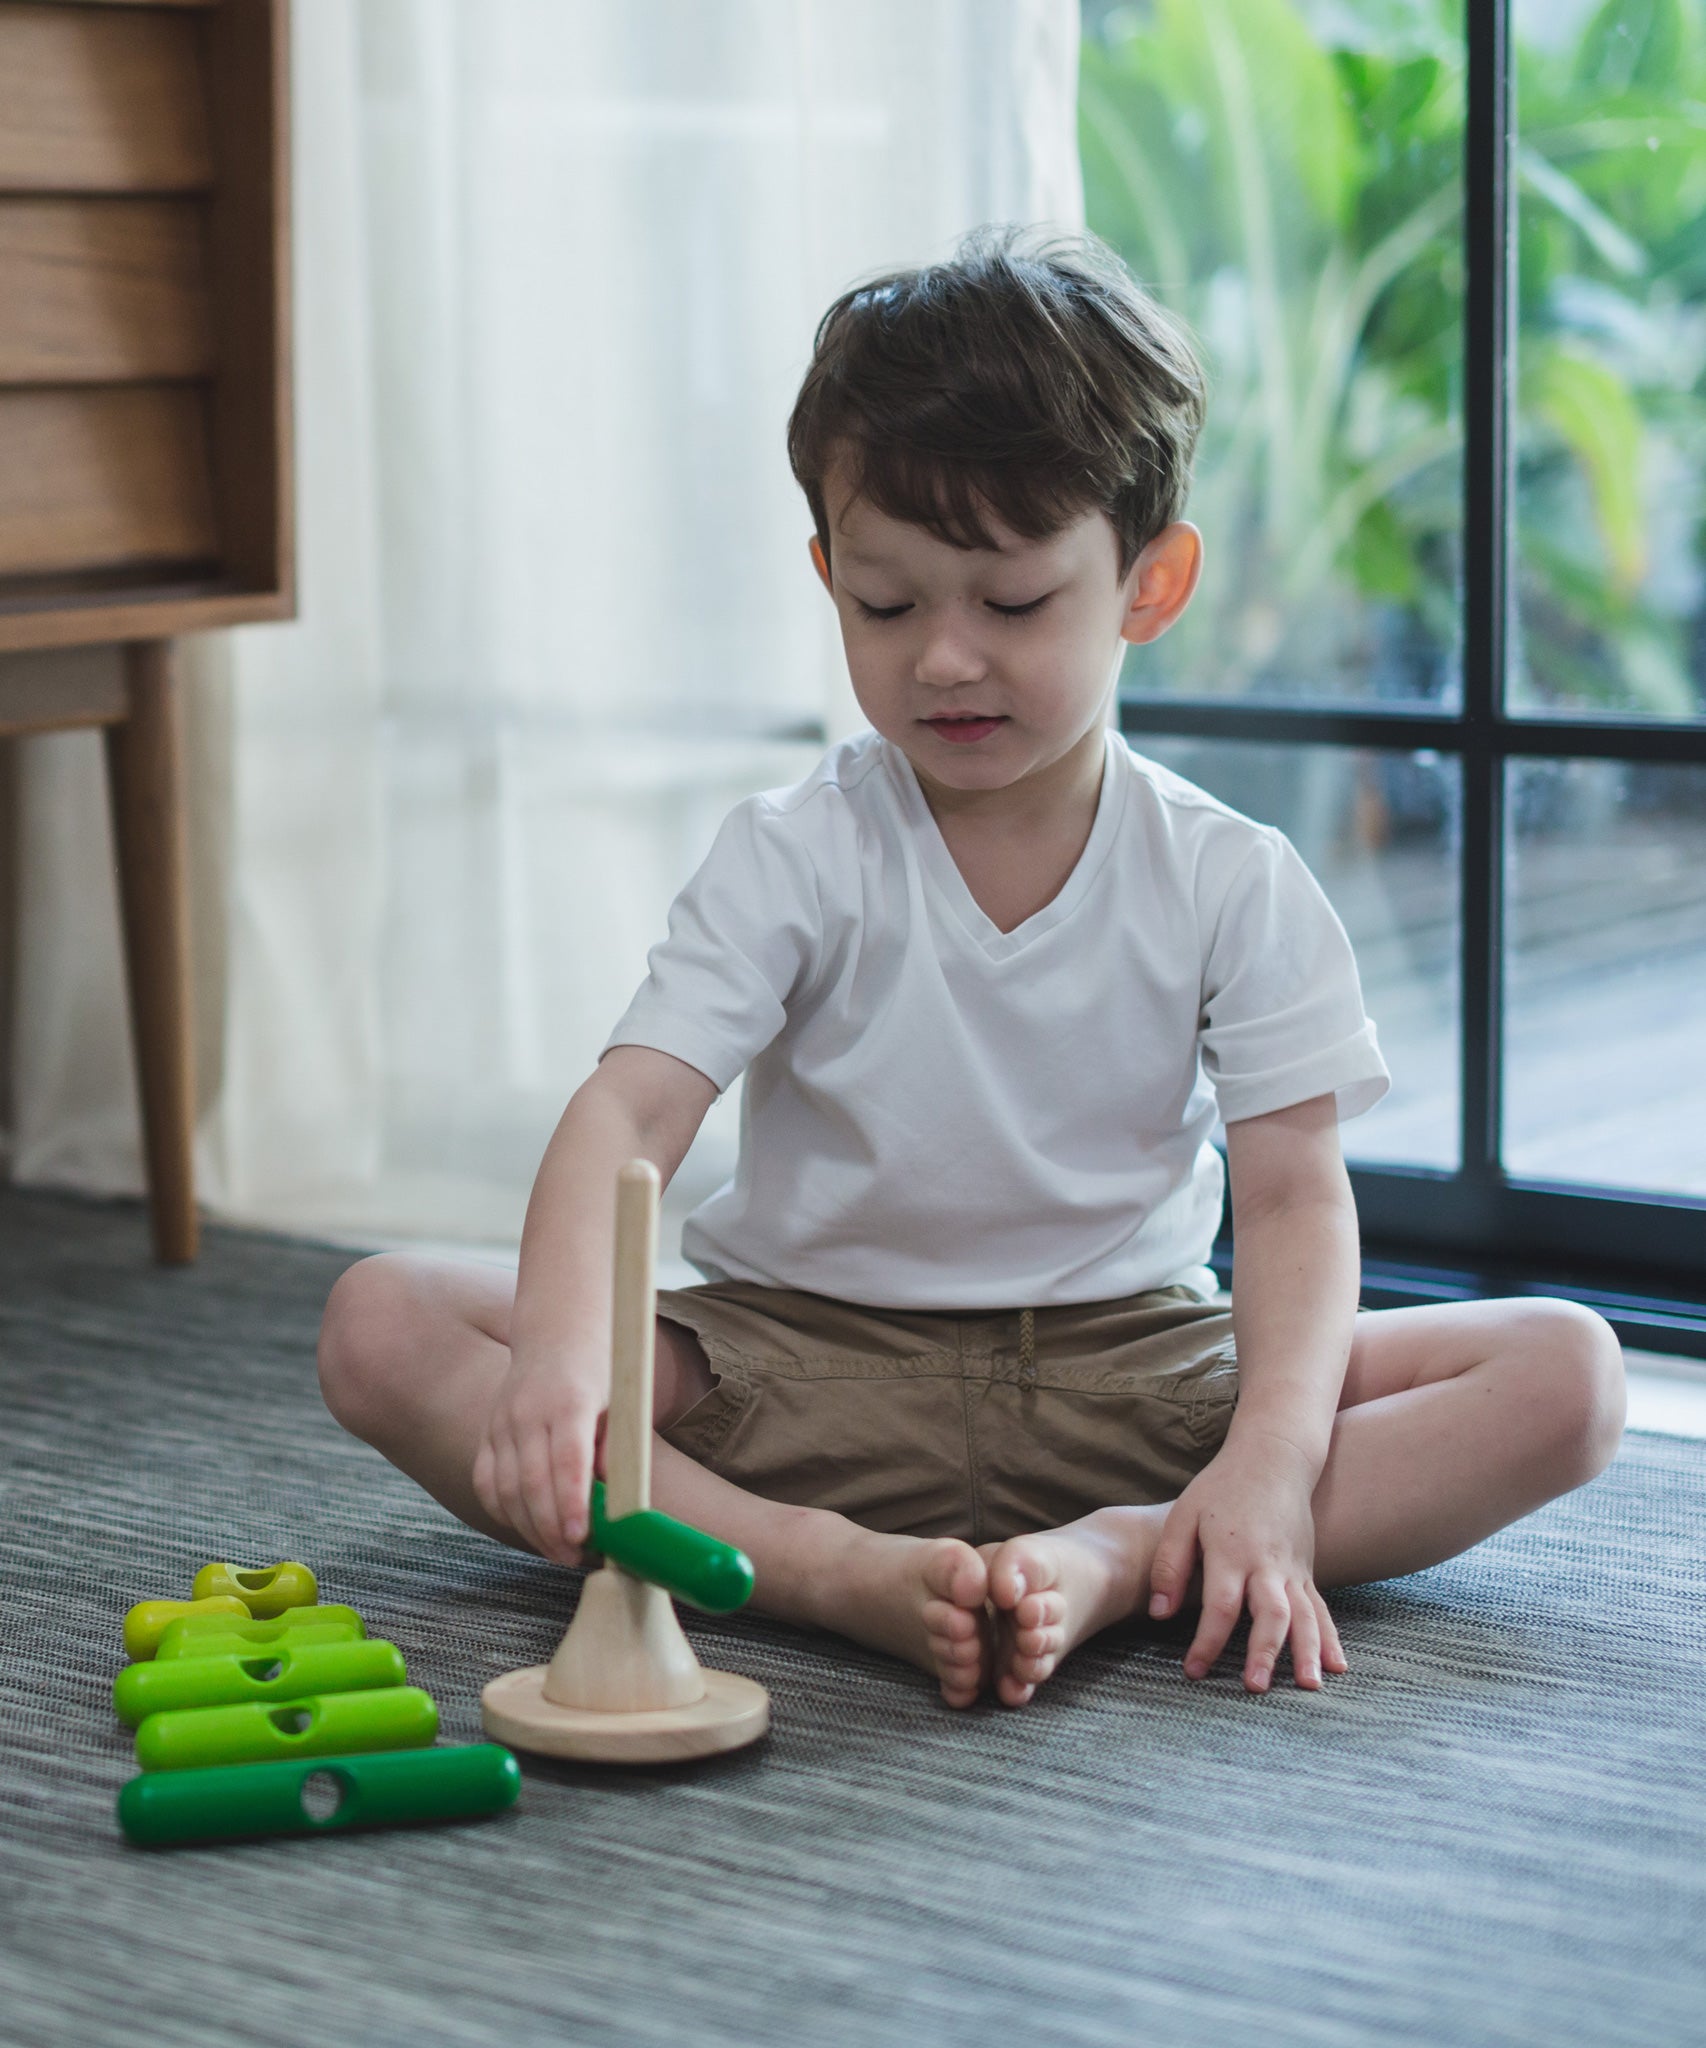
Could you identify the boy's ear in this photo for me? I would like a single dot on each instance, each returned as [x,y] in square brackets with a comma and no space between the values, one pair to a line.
[820,565]
[1164,576]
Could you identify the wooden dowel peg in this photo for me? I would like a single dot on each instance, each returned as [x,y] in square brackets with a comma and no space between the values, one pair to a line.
[633,1341]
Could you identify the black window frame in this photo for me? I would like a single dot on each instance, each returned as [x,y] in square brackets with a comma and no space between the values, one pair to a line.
[1433,1234]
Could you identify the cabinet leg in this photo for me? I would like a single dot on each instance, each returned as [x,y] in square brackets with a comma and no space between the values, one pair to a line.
[145,774]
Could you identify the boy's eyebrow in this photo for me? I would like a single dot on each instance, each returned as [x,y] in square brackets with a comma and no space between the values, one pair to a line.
[846,553]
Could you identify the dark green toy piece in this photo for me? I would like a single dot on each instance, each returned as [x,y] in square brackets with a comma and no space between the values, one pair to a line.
[292,1671]
[327,1724]
[225,1635]
[384,1789]
[684,1561]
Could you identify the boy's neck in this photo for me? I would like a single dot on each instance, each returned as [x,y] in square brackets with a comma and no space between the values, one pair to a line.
[1058,799]
[1016,847]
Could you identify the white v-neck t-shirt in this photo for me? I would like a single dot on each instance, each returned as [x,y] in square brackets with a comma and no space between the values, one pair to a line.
[942,1115]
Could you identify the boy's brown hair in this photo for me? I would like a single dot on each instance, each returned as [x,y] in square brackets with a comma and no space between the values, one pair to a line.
[1031,376]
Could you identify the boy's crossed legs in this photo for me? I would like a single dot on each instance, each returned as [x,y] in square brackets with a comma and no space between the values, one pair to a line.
[1454,1421]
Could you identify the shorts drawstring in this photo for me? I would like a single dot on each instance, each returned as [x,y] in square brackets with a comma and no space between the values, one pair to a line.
[1027,1347]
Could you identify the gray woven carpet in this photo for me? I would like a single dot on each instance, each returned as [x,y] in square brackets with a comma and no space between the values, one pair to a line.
[1490,1831]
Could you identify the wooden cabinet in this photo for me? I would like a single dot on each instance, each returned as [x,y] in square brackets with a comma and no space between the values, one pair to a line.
[145,473]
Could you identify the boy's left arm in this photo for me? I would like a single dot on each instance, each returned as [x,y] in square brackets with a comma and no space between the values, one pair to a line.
[1294,1304]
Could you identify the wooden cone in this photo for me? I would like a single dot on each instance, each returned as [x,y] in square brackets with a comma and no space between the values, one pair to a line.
[624,1652]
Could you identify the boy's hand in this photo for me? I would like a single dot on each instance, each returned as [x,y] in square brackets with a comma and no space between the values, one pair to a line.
[534,1471]
[1248,1513]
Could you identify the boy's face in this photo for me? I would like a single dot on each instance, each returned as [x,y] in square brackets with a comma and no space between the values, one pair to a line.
[993,668]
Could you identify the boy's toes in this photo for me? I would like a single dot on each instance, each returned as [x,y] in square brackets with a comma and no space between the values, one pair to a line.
[1033,1644]
[1020,1570]
[954,1572]
[962,1665]
[1017,1682]
[956,1581]
[953,1623]
[1031,1667]
[1032,1606]
[960,1662]
[1039,1611]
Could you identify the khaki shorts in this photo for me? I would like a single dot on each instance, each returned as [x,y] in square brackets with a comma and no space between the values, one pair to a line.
[981,1426]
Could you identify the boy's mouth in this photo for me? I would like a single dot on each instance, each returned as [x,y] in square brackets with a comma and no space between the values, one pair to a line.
[962,727]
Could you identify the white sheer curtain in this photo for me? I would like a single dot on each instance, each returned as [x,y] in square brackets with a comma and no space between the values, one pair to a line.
[558,267]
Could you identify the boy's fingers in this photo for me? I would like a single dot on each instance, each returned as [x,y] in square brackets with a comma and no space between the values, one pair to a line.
[1332,1650]
[1270,1620]
[1222,1603]
[505,1491]
[484,1491]
[1305,1639]
[571,1478]
[1170,1568]
[539,1493]
[513,1500]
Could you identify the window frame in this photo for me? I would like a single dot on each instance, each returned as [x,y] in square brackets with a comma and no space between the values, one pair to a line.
[1433,1234]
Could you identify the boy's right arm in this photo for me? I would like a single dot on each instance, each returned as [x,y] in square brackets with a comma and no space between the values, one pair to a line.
[534,1469]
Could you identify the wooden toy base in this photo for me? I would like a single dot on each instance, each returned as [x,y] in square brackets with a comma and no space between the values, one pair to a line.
[733,1712]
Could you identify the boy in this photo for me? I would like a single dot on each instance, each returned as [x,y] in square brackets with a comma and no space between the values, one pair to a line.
[955,1382]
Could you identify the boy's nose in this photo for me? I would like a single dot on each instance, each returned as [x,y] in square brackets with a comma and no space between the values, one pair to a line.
[949,657]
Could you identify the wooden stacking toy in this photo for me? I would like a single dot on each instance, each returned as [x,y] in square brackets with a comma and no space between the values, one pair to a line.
[625,1686]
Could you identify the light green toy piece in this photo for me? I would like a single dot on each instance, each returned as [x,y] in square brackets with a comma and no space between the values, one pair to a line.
[223,1635]
[387,1789]
[266,1591]
[329,1724]
[149,1620]
[293,1671]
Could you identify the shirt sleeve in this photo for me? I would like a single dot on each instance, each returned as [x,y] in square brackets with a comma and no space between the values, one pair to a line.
[743,936]
[1282,1010]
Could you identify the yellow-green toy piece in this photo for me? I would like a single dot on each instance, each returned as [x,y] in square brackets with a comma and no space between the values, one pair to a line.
[223,1635]
[149,1620]
[329,1724]
[266,1591]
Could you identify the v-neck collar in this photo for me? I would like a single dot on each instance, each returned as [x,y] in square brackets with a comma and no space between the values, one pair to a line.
[940,865]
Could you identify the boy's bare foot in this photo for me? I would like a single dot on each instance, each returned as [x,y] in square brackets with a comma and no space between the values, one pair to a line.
[921,1598]
[1052,1590]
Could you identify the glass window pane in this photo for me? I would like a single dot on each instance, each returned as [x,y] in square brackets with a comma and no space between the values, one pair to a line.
[1611,359]
[1287,176]
[1379,832]
[1605,974]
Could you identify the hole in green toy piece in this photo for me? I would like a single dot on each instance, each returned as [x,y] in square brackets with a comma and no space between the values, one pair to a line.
[322,1794]
[292,1720]
[256,1580]
[262,1669]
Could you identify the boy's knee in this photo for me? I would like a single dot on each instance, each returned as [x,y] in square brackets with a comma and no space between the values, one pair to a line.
[362,1332]
[1586,1395]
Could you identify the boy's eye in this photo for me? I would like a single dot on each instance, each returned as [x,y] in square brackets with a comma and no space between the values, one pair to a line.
[1005,611]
